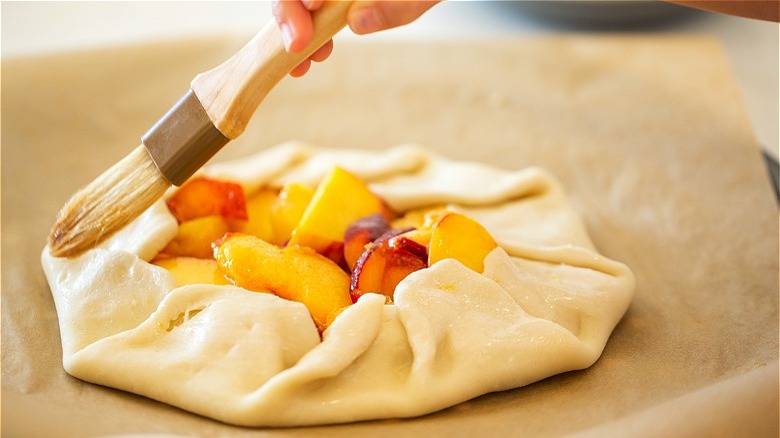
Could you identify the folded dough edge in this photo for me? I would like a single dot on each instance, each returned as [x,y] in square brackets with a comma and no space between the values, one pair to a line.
[546,303]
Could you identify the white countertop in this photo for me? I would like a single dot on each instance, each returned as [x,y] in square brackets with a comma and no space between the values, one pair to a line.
[30,28]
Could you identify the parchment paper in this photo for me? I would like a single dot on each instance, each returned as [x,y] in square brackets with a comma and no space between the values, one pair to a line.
[648,135]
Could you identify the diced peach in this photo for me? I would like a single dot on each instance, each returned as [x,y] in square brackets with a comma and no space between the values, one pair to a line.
[194,237]
[294,273]
[368,272]
[384,263]
[190,270]
[335,252]
[201,196]
[422,221]
[411,246]
[360,233]
[287,210]
[340,199]
[399,264]
[462,238]
[421,218]
[258,208]
[421,236]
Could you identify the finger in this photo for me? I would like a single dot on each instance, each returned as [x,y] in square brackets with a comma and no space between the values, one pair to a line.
[295,23]
[312,5]
[372,16]
[319,55]
[301,69]
[323,52]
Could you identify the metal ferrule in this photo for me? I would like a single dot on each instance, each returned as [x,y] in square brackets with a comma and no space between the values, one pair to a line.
[183,140]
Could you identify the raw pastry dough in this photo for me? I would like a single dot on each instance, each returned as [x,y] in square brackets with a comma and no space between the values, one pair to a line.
[545,304]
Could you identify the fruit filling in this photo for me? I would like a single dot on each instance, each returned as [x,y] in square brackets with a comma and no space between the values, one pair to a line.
[323,247]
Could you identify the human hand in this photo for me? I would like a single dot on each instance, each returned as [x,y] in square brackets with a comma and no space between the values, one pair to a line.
[295,23]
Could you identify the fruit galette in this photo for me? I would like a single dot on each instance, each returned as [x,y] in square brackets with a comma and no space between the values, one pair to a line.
[310,286]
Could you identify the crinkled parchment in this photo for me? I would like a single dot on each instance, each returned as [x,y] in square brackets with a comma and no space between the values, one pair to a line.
[546,303]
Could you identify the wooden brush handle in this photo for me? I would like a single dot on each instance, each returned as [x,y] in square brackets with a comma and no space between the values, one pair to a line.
[231,92]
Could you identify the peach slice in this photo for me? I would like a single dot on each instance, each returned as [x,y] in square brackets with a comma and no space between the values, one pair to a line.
[420,218]
[360,233]
[335,252]
[201,196]
[259,217]
[421,236]
[422,221]
[340,199]
[294,273]
[404,243]
[402,260]
[385,262]
[287,210]
[462,238]
[368,272]
[190,270]
[194,237]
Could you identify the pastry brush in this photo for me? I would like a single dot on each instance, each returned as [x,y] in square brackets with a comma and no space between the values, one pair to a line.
[214,111]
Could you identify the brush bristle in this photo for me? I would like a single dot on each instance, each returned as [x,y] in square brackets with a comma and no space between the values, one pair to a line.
[107,204]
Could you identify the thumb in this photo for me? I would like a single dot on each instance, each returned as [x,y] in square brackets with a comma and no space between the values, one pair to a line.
[373,16]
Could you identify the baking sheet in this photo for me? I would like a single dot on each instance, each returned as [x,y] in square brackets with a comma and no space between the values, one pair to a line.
[648,135]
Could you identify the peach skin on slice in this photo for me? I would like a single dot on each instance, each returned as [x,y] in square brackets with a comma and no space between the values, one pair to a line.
[368,272]
[293,273]
[384,263]
[340,199]
[360,233]
[461,238]
[258,209]
[287,210]
[420,218]
[190,270]
[401,261]
[194,237]
[201,196]
[335,252]
[422,221]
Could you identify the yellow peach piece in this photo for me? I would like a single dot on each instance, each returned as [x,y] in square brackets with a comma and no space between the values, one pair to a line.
[190,270]
[385,263]
[421,218]
[194,237]
[340,199]
[201,196]
[422,221]
[258,208]
[293,273]
[360,233]
[287,210]
[461,238]
[419,235]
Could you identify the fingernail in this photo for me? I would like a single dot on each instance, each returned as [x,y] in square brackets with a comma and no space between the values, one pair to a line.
[287,35]
[365,21]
